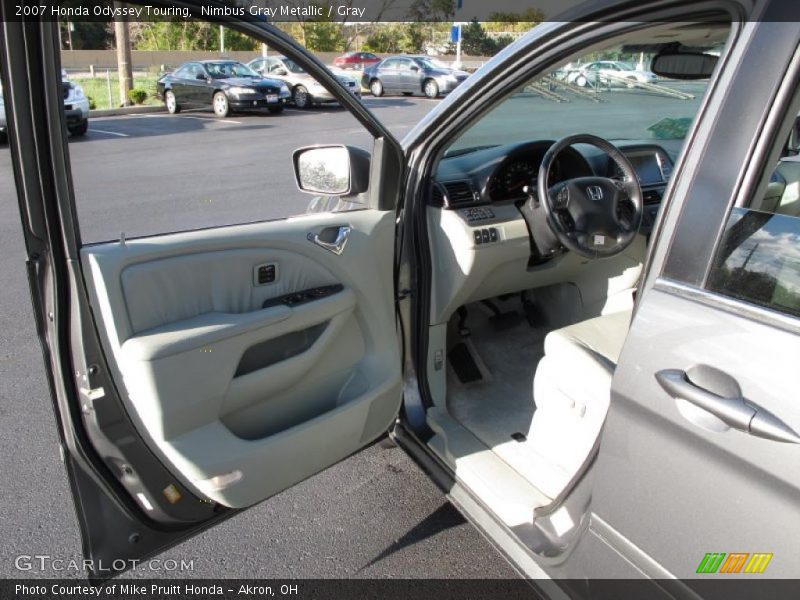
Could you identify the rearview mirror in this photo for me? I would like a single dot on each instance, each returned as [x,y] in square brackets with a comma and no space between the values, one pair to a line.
[332,170]
[683,65]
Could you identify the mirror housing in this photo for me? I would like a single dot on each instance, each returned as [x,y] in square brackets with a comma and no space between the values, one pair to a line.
[674,64]
[332,170]
[201,77]
[280,72]
[414,68]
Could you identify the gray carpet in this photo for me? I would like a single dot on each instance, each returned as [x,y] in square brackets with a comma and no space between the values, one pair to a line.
[502,403]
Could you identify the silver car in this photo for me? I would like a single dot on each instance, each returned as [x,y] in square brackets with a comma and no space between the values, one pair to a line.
[306,91]
[76,109]
[610,72]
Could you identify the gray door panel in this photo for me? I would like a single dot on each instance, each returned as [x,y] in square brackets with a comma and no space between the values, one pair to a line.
[241,393]
[699,487]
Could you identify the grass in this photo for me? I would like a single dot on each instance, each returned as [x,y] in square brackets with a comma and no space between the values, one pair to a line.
[97,88]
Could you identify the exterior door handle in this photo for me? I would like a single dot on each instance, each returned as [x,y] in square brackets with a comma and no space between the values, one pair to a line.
[736,412]
[333,239]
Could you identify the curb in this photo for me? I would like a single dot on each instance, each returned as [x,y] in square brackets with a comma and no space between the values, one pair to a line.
[126,110]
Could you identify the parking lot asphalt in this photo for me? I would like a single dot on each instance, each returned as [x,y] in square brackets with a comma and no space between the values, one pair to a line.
[373,515]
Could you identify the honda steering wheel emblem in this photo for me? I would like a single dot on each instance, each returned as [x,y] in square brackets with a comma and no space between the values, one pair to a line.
[595,192]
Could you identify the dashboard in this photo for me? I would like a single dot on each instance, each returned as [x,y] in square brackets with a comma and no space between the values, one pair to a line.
[482,244]
[486,176]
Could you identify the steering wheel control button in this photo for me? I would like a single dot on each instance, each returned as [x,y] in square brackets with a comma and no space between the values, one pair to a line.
[562,198]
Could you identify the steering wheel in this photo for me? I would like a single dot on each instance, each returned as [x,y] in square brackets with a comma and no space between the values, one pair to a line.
[588,214]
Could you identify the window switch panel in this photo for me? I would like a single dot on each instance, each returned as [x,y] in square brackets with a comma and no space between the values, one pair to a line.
[265,274]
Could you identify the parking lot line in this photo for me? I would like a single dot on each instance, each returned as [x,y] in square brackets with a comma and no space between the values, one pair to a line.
[166,116]
[109,132]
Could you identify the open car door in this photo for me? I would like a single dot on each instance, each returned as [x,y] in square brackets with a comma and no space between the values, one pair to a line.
[194,374]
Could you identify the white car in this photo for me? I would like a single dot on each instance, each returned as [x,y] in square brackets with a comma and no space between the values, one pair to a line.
[76,108]
[610,72]
[306,91]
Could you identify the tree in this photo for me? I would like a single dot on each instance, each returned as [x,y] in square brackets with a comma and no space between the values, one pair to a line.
[475,42]
[415,37]
[431,10]
[324,36]
[86,35]
[389,39]
[516,22]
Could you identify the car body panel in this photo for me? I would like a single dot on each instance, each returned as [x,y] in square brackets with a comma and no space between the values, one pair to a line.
[191,91]
[280,69]
[408,73]
[355,60]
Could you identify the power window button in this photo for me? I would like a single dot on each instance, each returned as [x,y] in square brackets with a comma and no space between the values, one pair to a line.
[264,274]
[478,236]
[492,234]
[485,236]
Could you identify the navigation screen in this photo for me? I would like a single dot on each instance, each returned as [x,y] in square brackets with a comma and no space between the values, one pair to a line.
[646,166]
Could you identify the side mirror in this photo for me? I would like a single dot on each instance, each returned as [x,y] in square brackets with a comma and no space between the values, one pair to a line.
[201,77]
[280,72]
[674,64]
[414,68]
[332,170]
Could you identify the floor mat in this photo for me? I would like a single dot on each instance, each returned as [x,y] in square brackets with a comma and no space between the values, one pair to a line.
[498,409]
[463,364]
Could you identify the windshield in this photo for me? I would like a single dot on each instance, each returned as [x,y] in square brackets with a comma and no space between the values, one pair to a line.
[633,105]
[229,69]
[293,66]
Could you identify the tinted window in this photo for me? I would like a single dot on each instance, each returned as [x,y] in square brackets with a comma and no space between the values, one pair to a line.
[759,260]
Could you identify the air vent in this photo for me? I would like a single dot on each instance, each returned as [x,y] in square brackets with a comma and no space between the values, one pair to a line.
[437,196]
[459,193]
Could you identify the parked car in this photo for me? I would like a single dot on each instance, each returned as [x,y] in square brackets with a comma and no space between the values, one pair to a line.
[225,85]
[612,72]
[411,74]
[76,108]
[624,406]
[355,60]
[306,91]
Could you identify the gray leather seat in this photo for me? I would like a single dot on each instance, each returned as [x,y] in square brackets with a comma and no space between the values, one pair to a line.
[571,389]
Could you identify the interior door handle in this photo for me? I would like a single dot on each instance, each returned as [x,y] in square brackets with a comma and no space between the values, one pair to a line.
[333,239]
[736,412]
